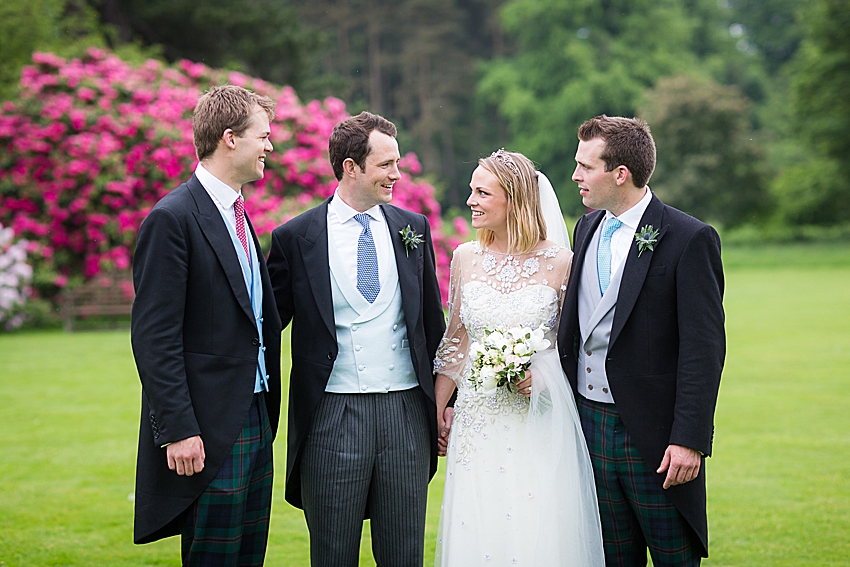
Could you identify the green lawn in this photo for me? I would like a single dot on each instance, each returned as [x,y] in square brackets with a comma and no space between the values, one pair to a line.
[779,493]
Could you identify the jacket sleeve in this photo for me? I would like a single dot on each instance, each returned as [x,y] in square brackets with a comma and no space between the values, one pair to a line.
[160,275]
[702,340]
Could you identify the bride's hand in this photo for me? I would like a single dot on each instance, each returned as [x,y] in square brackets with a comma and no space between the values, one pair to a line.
[524,387]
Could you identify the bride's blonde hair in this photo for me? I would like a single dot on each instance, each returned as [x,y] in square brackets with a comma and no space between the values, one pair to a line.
[518,177]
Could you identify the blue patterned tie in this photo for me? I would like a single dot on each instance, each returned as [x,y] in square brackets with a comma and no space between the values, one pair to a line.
[603,255]
[368,281]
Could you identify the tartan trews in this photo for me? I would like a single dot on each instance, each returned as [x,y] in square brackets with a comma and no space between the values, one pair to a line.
[635,512]
[228,525]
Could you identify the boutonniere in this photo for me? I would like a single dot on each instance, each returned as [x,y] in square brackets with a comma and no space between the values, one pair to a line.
[410,238]
[646,239]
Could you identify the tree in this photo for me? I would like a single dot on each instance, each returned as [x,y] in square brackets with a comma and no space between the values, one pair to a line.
[709,160]
[62,26]
[812,188]
[579,58]
[263,38]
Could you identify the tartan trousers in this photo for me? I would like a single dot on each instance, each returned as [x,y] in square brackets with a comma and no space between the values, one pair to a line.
[228,525]
[634,510]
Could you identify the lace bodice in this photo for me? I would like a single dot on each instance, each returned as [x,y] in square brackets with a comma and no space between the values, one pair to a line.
[490,290]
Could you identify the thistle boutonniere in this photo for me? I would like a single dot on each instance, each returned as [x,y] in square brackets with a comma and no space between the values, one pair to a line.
[646,239]
[410,238]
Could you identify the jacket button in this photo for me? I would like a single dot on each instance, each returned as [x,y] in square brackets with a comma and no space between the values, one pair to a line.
[330,356]
[590,386]
[255,341]
[588,369]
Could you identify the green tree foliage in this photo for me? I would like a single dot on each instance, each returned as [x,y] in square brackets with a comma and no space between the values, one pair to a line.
[258,37]
[769,27]
[813,187]
[413,61]
[65,27]
[709,160]
[579,58]
[822,81]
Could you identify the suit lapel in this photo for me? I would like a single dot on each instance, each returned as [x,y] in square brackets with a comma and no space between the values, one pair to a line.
[406,264]
[314,252]
[582,241]
[212,225]
[636,268]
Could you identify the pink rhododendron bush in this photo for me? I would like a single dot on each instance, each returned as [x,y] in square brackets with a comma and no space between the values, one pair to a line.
[91,144]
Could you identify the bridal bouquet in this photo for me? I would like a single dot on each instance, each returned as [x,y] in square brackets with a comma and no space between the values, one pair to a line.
[502,358]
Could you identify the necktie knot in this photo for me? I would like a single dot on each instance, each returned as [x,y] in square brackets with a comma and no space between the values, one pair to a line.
[611,226]
[363,219]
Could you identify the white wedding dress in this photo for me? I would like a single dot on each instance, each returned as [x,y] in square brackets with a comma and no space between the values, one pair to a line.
[519,484]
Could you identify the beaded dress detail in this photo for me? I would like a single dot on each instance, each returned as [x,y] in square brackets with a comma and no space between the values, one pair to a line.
[502,504]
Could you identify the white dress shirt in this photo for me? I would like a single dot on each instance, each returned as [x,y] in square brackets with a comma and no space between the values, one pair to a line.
[221,193]
[624,237]
[344,231]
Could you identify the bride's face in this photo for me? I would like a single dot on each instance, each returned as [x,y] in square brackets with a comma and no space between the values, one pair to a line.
[488,202]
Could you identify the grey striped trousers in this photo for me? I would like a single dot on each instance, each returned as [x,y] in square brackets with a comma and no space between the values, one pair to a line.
[367,455]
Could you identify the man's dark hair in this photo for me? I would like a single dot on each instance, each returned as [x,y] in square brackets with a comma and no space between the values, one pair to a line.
[628,142]
[350,139]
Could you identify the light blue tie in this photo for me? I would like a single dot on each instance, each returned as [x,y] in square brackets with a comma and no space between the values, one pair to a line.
[603,254]
[368,282]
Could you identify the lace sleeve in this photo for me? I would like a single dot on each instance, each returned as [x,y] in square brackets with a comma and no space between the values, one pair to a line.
[563,266]
[451,354]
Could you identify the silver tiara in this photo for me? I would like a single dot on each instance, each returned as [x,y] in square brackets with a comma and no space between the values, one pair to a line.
[504,158]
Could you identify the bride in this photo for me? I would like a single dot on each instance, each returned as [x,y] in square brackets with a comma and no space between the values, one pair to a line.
[519,485]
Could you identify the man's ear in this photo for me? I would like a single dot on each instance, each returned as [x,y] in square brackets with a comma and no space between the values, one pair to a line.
[229,138]
[622,174]
[348,167]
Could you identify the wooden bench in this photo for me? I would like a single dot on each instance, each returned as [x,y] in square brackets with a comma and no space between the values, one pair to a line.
[109,297]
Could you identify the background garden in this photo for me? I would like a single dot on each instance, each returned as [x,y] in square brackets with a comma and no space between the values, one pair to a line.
[747,100]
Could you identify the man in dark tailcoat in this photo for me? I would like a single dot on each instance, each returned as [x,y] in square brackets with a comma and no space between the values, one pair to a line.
[642,342]
[206,338]
[356,278]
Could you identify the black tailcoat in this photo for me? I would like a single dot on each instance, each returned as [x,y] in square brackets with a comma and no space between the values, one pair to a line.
[196,346]
[300,272]
[667,344]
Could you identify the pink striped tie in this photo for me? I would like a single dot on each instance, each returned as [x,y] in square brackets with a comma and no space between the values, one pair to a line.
[239,210]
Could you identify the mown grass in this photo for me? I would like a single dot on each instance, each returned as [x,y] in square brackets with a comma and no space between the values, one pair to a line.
[778,488]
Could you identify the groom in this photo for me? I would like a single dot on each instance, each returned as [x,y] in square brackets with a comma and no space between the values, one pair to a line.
[356,277]
[642,342]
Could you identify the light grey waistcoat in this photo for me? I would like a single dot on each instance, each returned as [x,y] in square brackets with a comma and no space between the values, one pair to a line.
[596,317]
[374,352]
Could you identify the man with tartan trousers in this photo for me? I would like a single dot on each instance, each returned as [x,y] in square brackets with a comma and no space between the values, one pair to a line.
[206,339]
[642,342]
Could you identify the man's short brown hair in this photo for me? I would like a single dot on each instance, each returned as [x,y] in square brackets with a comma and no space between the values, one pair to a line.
[350,139]
[223,107]
[628,142]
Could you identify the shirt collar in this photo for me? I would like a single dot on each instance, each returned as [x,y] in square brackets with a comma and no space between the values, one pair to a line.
[631,218]
[219,190]
[345,213]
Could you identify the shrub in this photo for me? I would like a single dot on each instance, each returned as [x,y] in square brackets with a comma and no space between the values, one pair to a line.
[93,143]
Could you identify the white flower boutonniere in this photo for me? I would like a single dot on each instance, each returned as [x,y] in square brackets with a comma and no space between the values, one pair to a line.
[646,239]
[410,238]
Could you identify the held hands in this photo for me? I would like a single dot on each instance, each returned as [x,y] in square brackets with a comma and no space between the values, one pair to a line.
[186,456]
[681,463]
[524,387]
[444,426]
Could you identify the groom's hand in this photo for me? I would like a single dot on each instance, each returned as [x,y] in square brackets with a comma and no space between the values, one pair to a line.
[186,457]
[681,463]
[444,426]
